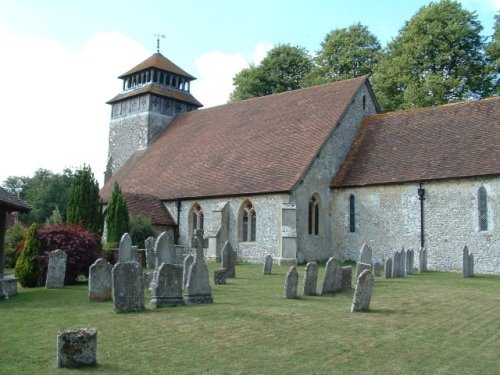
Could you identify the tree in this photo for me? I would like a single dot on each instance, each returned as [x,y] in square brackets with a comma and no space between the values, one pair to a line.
[117,217]
[140,229]
[84,203]
[27,270]
[437,58]
[283,69]
[345,53]
[493,51]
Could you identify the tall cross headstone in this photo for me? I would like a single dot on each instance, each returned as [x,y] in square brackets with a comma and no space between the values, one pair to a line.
[198,288]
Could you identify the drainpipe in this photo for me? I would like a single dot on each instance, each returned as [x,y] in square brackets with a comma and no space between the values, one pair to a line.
[421,197]
[177,231]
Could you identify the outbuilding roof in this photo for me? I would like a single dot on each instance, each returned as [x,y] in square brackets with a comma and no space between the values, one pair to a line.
[149,206]
[260,145]
[448,141]
[11,203]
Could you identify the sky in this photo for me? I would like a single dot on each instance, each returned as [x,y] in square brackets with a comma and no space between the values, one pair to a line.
[60,60]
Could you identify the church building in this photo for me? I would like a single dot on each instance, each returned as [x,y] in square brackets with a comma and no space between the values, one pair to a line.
[307,174]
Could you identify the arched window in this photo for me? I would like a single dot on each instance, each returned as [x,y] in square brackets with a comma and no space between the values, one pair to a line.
[197,218]
[248,222]
[482,206]
[364,102]
[352,214]
[313,215]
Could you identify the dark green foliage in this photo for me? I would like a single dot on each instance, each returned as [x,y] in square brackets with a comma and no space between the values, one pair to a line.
[44,192]
[345,53]
[27,270]
[493,51]
[84,203]
[14,238]
[283,69]
[82,247]
[140,229]
[117,217]
[437,58]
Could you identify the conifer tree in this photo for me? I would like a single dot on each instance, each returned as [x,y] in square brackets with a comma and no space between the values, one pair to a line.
[27,266]
[117,216]
[84,203]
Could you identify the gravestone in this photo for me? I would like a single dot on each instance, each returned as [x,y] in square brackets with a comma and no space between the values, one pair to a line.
[149,246]
[100,281]
[165,249]
[363,292]
[220,276]
[388,268]
[188,262]
[360,267]
[402,263]
[332,280]
[125,249]
[228,260]
[409,262]
[149,279]
[422,260]
[468,263]
[377,269]
[396,264]
[77,348]
[128,290]
[56,270]
[310,278]
[198,284]
[268,265]
[167,290]
[291,282]
[346,278]
[365,254]
[135,254]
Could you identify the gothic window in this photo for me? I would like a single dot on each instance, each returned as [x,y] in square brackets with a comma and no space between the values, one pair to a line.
[248,222]
[197,218]
[482,204]
[313,216]
[352,214]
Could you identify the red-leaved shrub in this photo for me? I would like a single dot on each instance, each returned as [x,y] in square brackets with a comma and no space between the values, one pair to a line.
[82,246]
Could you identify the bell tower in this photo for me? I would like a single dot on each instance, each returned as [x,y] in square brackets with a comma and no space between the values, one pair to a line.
[153,93]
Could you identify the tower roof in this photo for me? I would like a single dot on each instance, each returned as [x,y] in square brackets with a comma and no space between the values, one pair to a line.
[158,61]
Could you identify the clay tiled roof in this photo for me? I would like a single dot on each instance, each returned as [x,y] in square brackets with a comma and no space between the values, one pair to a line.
[149,206]
[158,61]
[159,90]
[261,145]
[449,141]
[11,203]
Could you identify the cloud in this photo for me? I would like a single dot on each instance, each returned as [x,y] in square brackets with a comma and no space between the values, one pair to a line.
[215,71]
[55,115]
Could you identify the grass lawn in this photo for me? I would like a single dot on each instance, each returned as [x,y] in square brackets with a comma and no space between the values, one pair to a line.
[432,323]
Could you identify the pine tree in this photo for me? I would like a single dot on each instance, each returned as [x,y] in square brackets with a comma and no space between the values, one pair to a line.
[117,216]
[27,266]
[84,203]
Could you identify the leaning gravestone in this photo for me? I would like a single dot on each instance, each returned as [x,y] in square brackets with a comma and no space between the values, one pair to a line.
[167,290]
[198,284]
[125,250]
[310,278]
[291,282]
[360,267]
[365,254]
[363,292]
[422,260]
[149,246]
[268,265]
[346,273]
[56,270]
[188,262]
[228,260]
[332,280]
[128,290]
[388,268]
[100,281]
[377,269]
[77,348]
[165,249]
[468,263]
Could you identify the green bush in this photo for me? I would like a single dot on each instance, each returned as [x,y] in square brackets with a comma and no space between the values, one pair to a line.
[140,229]
[27,272]
[117,217]
[14,238]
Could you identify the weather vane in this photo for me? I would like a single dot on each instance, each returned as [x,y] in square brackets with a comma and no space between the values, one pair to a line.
[158,36]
